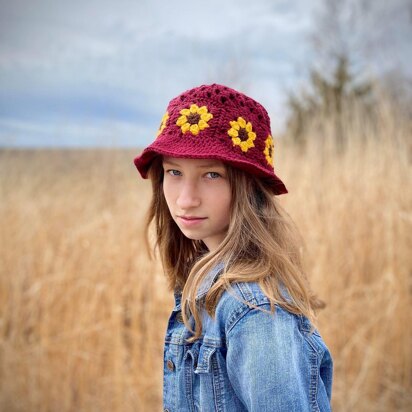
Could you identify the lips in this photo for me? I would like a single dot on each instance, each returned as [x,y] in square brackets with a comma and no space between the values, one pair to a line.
[191,220]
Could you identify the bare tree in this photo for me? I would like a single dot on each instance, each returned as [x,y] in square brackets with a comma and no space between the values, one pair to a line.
[374,35]
[352,59]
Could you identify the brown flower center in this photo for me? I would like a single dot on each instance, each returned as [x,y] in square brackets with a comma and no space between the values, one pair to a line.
[270,151]
[193,118]
[243,134]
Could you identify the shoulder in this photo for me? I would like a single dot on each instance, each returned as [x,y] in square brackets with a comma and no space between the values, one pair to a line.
[239,321]
[247,299]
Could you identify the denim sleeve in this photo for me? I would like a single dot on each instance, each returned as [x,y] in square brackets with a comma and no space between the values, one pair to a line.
[269,363]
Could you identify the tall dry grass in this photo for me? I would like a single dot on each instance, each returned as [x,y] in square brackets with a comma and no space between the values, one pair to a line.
[83,311]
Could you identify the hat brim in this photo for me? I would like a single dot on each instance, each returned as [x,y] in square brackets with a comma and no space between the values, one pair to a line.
[145,159]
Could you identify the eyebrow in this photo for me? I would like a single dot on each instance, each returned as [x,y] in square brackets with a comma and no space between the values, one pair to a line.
[204,165]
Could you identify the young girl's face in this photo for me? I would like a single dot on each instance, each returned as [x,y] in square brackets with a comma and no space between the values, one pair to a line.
[198,195]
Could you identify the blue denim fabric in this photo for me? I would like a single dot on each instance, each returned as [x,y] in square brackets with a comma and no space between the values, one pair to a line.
[246,360]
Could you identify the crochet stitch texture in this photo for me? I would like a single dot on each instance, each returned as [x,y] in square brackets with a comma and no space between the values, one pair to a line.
[217,122]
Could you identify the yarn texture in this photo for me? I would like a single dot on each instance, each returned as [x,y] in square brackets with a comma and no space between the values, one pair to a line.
[217,122]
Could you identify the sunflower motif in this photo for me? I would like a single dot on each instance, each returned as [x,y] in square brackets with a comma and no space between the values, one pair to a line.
[242,134]
[194,119]
[269,148]
[163,123]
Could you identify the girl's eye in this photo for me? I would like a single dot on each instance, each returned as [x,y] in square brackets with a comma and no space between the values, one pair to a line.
[173,172]
[213,175]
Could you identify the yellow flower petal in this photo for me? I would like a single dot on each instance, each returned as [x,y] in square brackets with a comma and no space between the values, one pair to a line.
[233,133]
[163,123]
[236,141]
[234,124]
[246,145]
[241,121]
[202,115]
[249,127]
[269,150]
[194,129]
[202,110]
[202,124]
[181,120]
[206,116]
[252,135]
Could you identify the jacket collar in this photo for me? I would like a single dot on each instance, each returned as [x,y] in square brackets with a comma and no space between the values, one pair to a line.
[203,288]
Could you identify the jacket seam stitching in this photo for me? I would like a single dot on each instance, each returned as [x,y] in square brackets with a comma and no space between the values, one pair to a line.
[239,314]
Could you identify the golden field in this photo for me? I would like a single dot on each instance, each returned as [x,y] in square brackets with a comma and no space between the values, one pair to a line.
[83,311]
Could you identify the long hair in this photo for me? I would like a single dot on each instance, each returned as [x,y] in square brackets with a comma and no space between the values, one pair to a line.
[262,245]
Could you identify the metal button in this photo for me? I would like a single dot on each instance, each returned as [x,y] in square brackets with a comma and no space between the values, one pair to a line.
[179,317]
[165,410]
[170,365]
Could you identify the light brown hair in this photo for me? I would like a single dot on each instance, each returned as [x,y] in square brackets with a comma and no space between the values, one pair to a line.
[262,245]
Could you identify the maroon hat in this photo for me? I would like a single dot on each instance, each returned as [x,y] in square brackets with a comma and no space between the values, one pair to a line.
[216,122]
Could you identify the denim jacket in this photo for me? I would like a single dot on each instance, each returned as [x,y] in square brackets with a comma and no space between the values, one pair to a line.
[246,360]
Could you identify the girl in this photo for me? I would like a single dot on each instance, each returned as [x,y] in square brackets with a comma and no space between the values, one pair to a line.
[241,334]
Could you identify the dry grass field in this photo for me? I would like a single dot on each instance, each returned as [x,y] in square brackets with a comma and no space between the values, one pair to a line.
[83,311]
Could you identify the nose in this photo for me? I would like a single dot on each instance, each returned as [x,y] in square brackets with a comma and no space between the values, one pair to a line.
[188,196]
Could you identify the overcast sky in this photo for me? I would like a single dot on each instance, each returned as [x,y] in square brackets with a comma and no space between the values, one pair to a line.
[101,73]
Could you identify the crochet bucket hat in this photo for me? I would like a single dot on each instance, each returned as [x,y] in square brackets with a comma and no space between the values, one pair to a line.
[216,122]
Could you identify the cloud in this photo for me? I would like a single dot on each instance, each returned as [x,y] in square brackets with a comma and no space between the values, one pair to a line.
[102,41]
[28,133]
[82,66]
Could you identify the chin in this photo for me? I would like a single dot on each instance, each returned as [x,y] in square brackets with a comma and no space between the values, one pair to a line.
[192,237]
[189,234]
